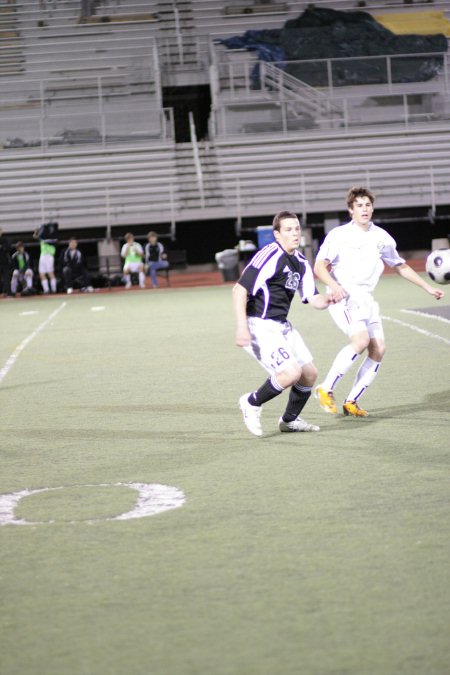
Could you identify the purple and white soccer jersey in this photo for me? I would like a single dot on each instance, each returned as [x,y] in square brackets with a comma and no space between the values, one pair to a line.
[271,278]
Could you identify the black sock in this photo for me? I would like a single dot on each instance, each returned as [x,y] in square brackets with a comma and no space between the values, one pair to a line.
[298,396]
[266,392]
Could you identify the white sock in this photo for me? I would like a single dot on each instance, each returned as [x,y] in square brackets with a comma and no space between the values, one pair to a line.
[14,285]
[44,283]
[53,284]
[364,378]
[341,364]
[275,384]
[127,278]
[29,281]
[142,279]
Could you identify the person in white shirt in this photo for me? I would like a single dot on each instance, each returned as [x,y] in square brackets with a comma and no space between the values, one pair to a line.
[350,262]
[133,253]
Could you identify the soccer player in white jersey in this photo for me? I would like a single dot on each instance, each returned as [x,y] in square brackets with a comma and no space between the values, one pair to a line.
[350,262]
[262,298]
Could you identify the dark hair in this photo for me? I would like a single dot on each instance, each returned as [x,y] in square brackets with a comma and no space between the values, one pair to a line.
[19,243]
[282,215]
[356,192]
[127,235]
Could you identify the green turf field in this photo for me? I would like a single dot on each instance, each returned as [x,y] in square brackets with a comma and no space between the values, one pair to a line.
[305,554]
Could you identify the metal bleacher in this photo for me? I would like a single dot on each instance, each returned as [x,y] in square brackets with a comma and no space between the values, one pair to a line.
[85,138]
[309,174]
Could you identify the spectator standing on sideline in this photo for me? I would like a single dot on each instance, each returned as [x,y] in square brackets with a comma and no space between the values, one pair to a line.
[133,254]
[22,272]
[262,298]
[155,257]
[350,262]
[74,266]
[48,237]
[5,264]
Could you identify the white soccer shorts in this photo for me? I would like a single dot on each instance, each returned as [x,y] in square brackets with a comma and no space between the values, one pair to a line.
[133,267]
[18,274]
[357,314]
[275,345]
[46,263]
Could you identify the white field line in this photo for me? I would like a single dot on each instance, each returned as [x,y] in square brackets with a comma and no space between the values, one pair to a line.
[436,317]
[427,333]
[10,361]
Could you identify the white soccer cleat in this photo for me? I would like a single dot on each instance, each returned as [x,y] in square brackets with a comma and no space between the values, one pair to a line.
[128,284]
[251,414]
[297,425]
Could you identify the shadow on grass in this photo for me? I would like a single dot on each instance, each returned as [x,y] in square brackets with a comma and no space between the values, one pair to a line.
[437,402]
[28,385]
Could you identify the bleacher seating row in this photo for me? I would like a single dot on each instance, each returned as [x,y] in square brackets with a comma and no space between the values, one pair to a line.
[247,178]
[86,86]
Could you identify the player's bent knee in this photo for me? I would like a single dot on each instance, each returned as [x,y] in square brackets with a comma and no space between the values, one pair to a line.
[309,375]
[377,353]
[290,375]
[360,343]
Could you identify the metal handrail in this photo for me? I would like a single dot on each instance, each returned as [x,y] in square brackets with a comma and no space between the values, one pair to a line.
[198,166]
[228,68]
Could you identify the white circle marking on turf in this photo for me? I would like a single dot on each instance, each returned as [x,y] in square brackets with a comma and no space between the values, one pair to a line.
[152,498]
[99,308]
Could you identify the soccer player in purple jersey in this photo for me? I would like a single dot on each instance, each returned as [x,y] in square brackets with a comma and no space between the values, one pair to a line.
[262,298]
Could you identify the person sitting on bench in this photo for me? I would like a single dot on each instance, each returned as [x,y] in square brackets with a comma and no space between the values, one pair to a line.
[74,267]
[155,257]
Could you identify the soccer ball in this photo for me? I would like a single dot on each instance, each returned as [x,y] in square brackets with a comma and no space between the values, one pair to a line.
[438,265]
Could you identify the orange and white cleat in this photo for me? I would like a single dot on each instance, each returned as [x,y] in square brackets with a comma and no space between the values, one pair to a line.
[352,408]
[326,400]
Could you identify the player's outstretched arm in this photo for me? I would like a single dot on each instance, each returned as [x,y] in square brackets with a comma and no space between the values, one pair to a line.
[406,272]
[243,338]
[321,301]
[322,273]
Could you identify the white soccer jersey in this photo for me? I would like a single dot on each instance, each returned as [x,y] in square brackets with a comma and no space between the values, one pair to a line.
[357,255]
